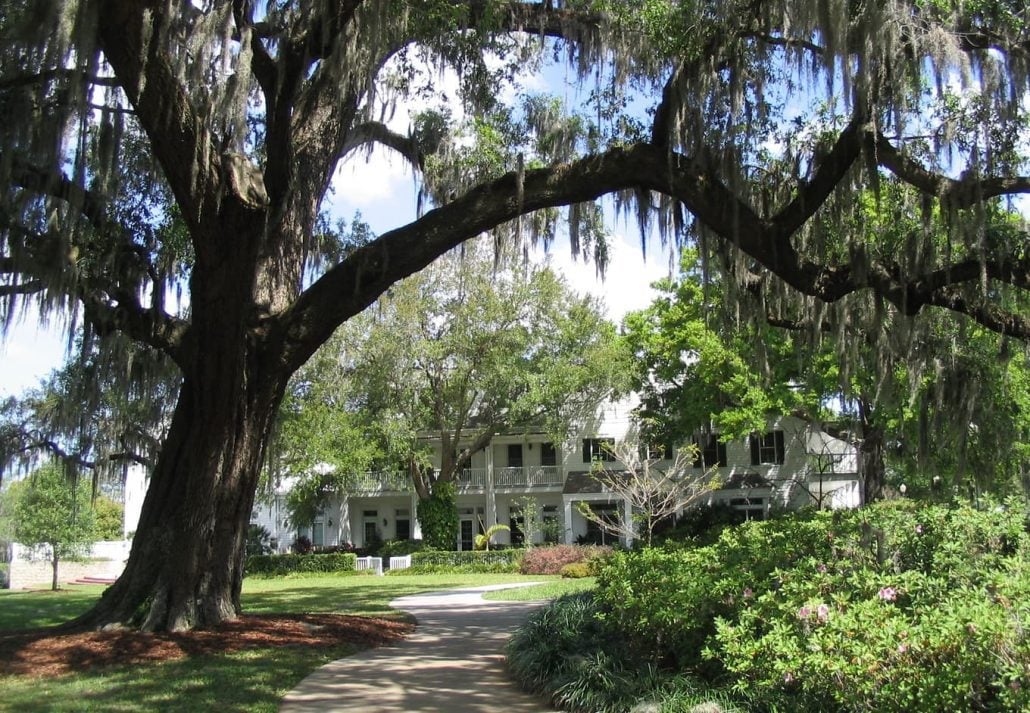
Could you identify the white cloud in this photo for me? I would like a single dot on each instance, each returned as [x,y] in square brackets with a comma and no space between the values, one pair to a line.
[29,353]
[627,284]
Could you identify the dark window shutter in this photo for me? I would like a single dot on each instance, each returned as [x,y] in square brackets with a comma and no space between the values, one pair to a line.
[723,461]
[779,447]
[586,450]
[756,457]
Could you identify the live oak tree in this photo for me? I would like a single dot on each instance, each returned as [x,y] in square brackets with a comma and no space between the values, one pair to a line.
[447,359]
[154,144]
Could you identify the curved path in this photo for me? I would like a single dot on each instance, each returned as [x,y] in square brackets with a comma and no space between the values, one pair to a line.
[453,663]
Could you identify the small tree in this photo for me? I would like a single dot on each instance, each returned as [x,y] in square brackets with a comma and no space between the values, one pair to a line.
[654,492]
[54,516]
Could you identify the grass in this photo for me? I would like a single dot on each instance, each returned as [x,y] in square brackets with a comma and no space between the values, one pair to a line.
[547,590]
[253,680]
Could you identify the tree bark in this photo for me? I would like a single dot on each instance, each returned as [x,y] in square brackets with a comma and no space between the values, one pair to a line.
[185,568]
[53,563]
[871,467]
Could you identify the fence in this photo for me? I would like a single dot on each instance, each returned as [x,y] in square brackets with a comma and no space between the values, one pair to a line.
[373,563]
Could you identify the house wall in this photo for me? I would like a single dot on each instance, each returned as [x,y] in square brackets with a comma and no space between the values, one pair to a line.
[485,500]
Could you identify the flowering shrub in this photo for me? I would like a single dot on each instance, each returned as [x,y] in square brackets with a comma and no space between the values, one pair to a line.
[551,559]
[895,607]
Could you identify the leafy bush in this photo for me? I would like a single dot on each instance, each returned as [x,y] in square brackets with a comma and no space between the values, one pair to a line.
[399,548]
[258,541]
[898,606]
[577,570]
[551,559]
[5,575]
[567,652]
[301,545]
[279,565]
[437,562]
[438,516]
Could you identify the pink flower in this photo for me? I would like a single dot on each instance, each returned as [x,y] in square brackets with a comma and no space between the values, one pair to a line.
[919,529]
[804,613]
[788,677]
[902,648]
[888,594]
[1015,686]
[822,612]
[821,568]
[748,593]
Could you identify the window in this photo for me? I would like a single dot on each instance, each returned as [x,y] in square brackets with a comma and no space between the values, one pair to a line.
[767,448]
[548,454]
[514,455]
[598,449]
[656,451]
[596,534]
[403,524]
[753,508]
[711,452]
[516,523]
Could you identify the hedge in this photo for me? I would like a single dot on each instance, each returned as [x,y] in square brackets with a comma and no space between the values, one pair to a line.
[5,575]
[278,565]
[467,562]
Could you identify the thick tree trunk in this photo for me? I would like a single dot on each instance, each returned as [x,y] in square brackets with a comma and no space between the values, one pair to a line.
[53,563]
[185,569]
[871,467]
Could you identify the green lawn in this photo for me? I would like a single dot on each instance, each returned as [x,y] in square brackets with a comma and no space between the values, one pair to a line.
[253,680]
[547,590]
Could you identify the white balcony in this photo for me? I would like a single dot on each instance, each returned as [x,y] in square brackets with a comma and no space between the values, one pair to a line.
[528,476]
[472,479]
[380,481]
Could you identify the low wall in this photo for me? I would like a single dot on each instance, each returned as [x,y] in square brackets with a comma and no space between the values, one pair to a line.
[106,560]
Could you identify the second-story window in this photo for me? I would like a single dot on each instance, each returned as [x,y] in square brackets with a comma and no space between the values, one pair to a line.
[548,454]
[767,448]
[514,455]
[711,452]
[598,449]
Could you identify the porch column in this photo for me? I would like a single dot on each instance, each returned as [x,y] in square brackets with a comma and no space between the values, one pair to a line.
[566,502]
[343,526]
[627,514]
[416,529]
[490,498]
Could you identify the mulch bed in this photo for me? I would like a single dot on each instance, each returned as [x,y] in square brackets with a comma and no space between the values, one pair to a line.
[44,652]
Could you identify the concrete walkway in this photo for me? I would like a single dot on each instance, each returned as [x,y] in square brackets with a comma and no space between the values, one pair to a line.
[453,663]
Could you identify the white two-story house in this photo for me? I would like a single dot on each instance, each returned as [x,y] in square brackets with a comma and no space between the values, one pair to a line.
[790,465]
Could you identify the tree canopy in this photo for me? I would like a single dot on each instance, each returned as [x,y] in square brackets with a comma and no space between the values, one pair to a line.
[162,147]
[447,359]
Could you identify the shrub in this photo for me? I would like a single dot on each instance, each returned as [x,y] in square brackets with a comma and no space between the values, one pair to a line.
[5,575]
[492,561]
[551,559]
[399,548]
[279,565]
[258,541]
[567,652]
[301,545]
[898,606]
[577,570]
[438,516]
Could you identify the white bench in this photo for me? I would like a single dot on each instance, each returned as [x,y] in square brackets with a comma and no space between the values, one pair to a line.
[372,563]
[400,562]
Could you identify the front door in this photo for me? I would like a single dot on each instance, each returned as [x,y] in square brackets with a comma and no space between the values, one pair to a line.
[467,535]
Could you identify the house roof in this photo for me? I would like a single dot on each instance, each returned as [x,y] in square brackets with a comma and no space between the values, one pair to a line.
[581,481]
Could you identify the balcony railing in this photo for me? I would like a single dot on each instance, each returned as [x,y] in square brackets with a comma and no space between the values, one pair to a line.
[472,479]
[468,479]
[528,476]
[379,481]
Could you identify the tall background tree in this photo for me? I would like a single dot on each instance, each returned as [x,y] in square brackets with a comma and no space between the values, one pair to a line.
[468,348]
[160,145]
